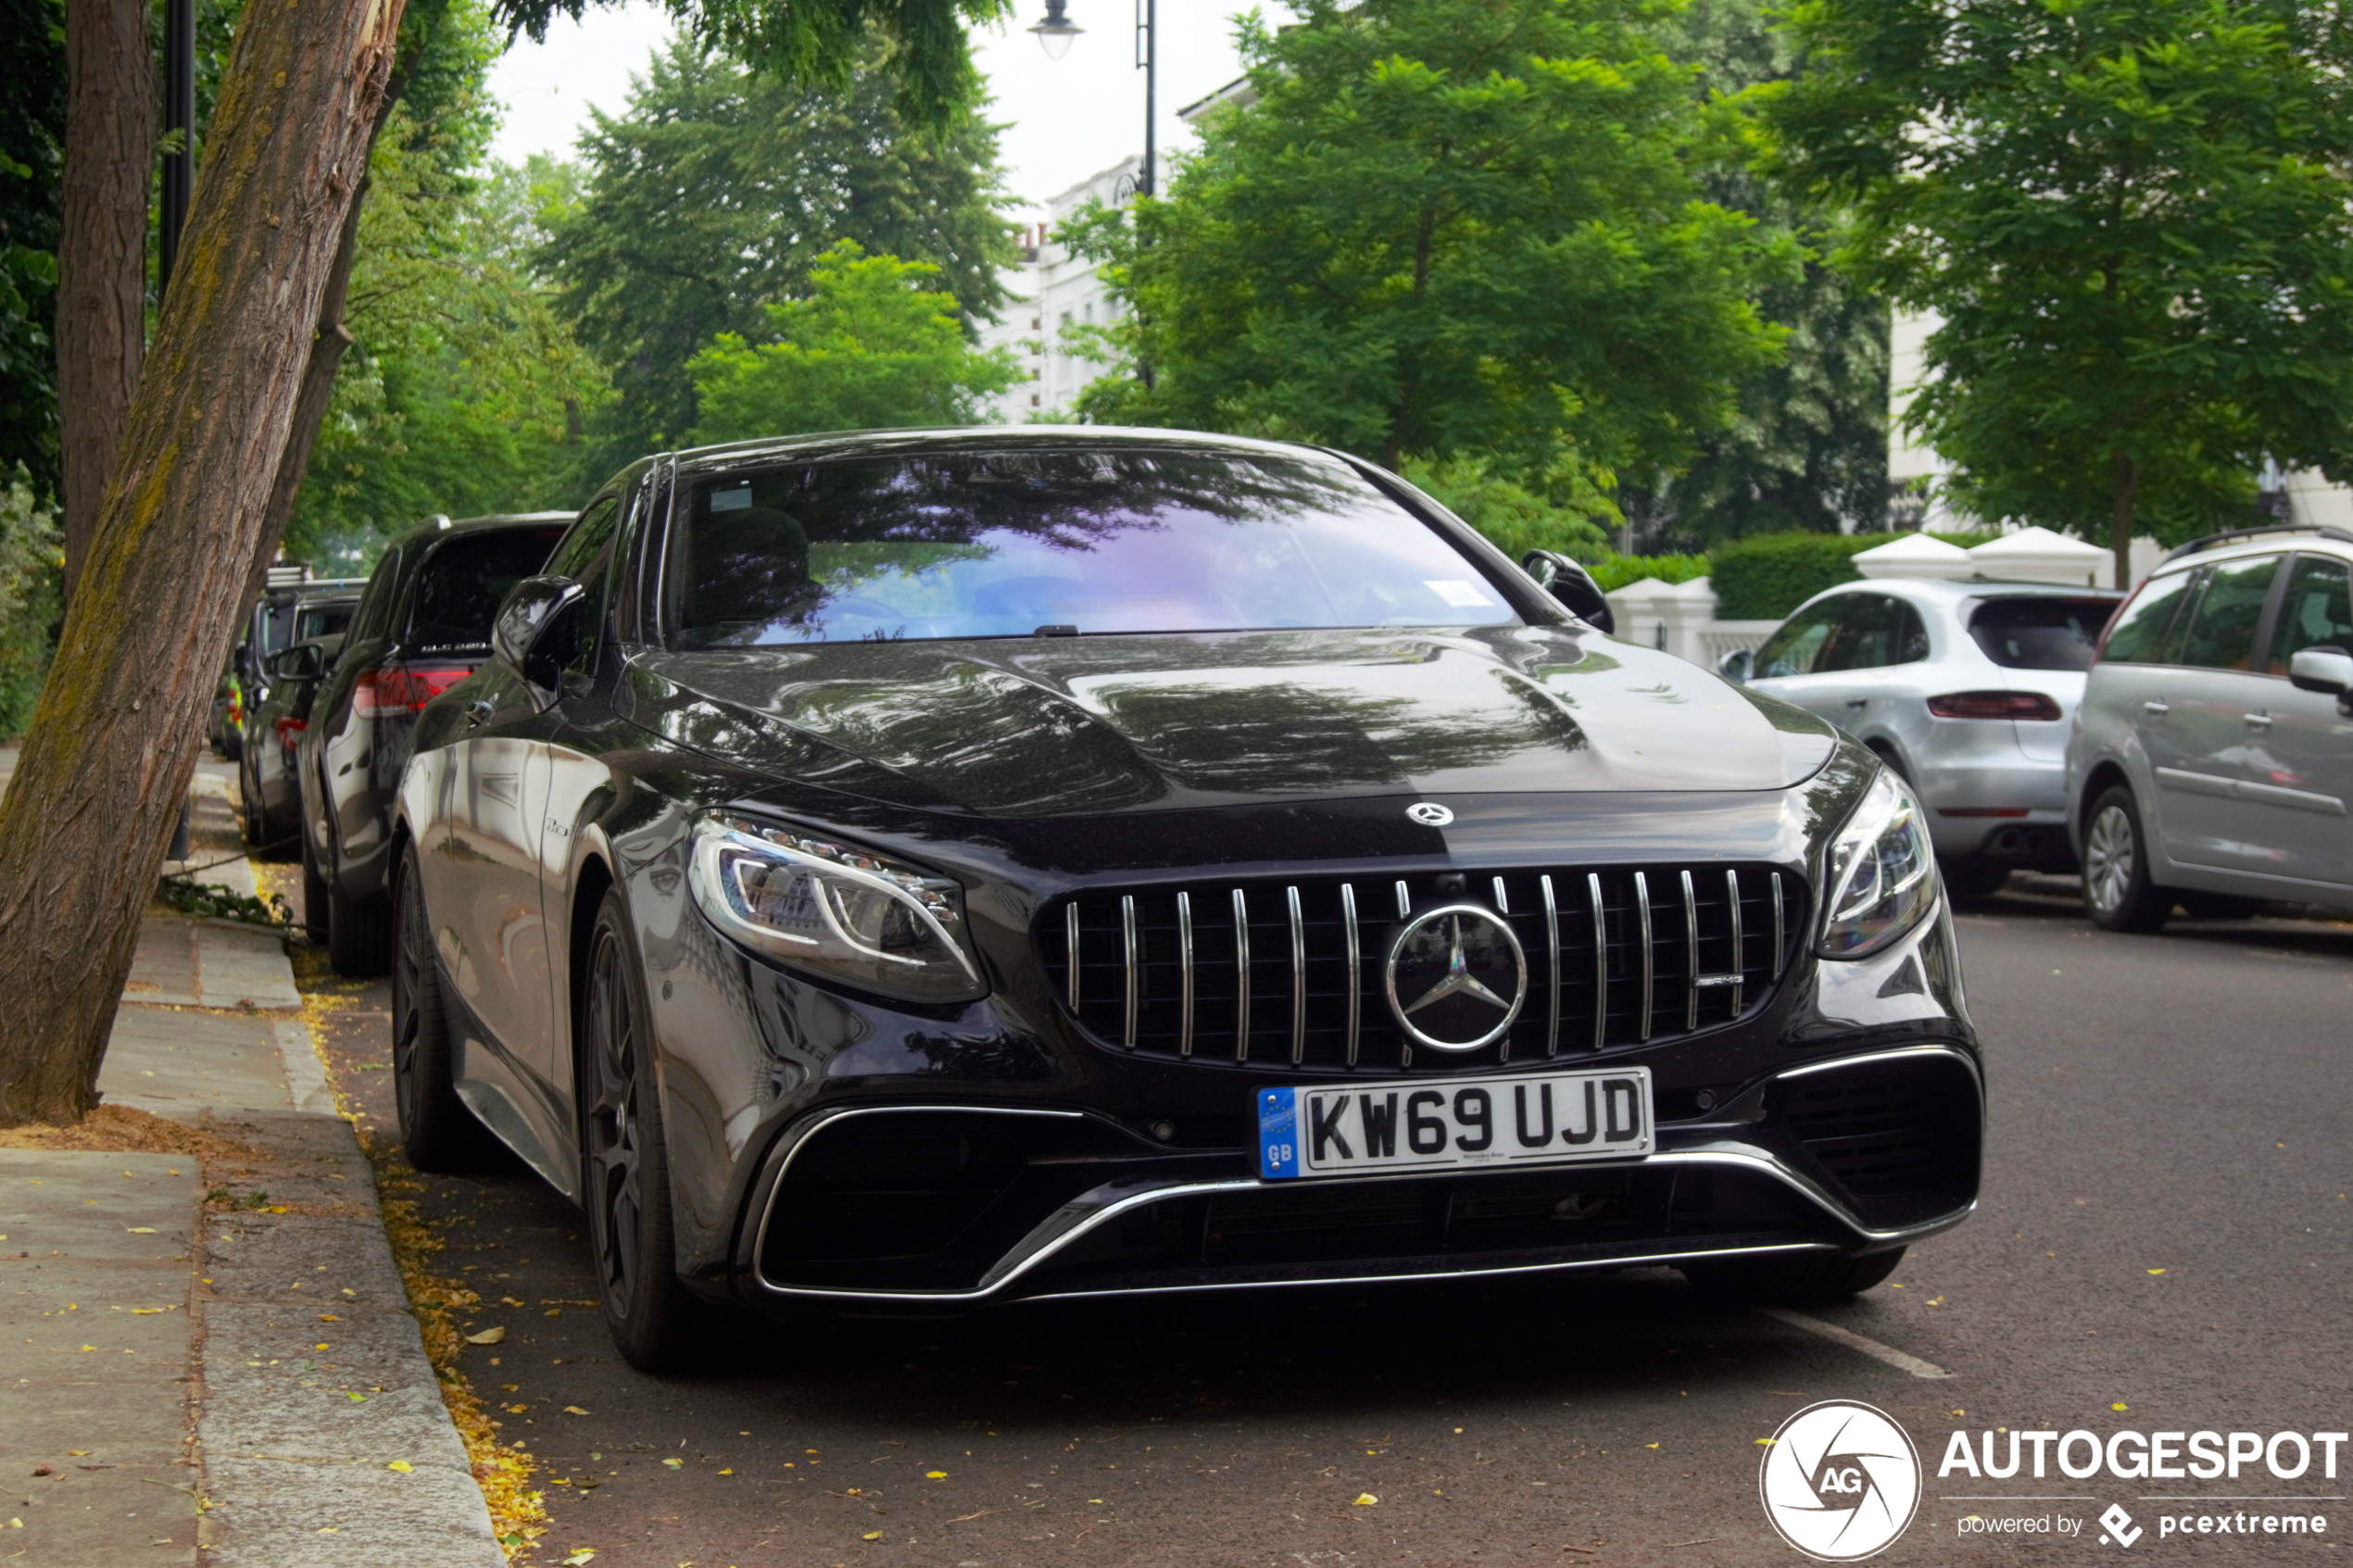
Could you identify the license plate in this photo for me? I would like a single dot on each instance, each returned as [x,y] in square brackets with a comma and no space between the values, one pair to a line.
[1534,1118]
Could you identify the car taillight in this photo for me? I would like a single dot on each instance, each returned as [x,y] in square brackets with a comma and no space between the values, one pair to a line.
[1994,705]
[403,689]
[289,732]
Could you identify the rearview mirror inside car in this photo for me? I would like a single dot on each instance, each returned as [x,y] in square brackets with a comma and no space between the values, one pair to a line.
[2326,668]
[535,632]
[1571,584]
[1738,666]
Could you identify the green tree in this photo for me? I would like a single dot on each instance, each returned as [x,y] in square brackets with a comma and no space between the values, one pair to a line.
[1446,226]
[33,127]
[1808,445]
[871,348]
[2133,217]
[463,391]
[714,194]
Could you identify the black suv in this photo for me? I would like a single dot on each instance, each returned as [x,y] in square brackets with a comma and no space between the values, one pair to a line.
[423,626]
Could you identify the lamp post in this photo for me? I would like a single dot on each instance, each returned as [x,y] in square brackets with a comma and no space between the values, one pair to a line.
[1055,35]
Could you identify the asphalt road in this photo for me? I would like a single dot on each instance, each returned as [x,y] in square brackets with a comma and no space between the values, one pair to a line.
[2175,1103]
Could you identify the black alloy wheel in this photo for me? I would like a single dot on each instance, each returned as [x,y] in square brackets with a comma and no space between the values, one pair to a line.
[623,1160]
[314,894]
[436,1130]
[2118,893]
[1793,1279]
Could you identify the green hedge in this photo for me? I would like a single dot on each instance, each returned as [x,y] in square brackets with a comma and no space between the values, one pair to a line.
[1766,577]
[1613,572]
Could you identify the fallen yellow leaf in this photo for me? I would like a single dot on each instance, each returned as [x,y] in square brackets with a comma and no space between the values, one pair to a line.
[1364,1500]
[673,1463]
[329,1317]
[2156,1270]
[730,1471]
[489,1335]
[2119,1406]
[935,1475]
[402,1465]
[872,1536]
[141,1230]
[77,1453]
[575,1410]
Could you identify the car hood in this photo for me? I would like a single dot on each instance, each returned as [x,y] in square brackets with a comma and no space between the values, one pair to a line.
[1081,725]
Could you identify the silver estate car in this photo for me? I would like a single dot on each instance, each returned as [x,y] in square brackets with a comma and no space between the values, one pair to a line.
[1964,689]
[2212,760]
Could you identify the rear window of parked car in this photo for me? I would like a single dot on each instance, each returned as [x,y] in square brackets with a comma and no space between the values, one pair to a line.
[323,620]
[464,581]
[2039,633]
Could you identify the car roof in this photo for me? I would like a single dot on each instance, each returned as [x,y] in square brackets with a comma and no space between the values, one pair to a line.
[974,438]
[2269,542]
[446,528]
[1948,591]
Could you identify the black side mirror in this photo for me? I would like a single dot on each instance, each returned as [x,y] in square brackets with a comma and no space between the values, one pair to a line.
[304,662]
[1572,585]
[537,630]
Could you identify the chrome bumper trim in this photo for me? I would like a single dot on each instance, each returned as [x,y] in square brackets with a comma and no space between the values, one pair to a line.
[1094,1209]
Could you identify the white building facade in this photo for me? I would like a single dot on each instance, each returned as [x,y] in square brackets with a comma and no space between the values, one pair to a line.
[1052,289]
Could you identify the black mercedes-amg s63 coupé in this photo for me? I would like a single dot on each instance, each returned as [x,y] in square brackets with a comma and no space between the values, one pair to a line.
[919,870]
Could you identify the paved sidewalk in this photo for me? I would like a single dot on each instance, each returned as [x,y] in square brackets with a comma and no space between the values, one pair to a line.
[236,1333]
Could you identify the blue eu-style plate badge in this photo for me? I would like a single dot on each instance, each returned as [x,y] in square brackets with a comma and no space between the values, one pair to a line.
[1277,1133]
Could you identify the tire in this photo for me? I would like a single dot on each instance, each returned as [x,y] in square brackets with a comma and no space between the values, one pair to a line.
[624,1161]
[358,934]
[437,1132]
[2118,893]
[1802,1279]
[1973,876]
[314,895]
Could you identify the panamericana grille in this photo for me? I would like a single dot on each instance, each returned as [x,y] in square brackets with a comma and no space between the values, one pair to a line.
[1293,971]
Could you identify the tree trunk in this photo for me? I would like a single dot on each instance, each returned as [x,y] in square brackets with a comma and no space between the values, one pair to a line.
[102,249]
[2120,528]
[85,821]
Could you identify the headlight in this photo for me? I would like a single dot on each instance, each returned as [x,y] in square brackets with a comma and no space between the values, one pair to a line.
[1882,873]
[834,910]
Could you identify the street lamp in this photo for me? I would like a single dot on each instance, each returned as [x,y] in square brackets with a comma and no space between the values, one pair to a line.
[1055,35]
[1057,32]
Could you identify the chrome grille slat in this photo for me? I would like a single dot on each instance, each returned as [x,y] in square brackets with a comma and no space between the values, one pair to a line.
[1185,985]
[1241,975]
[1149,968]
[1298,976]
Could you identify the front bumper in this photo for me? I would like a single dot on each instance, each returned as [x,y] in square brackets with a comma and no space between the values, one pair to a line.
[958,1206]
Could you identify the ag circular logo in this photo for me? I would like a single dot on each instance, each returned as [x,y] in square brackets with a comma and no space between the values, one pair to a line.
[1457,977]
[1839,1481]
[1429,813]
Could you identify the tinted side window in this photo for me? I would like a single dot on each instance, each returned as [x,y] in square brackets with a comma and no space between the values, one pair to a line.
[326,617]
[1873,631]
[2316,611]
[2137,635]
[586,556]
[463,581]
[2222,629]
[1794,648]
[376,606]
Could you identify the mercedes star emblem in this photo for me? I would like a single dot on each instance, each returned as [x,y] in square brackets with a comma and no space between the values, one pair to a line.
[1429,813]
[1457,977]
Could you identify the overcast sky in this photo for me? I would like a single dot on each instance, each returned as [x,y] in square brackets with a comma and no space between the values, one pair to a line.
[1065,118]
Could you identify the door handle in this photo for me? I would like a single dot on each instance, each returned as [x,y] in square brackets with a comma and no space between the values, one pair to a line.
[1858,701]
[2258,720]
[2155,709]
[477,710]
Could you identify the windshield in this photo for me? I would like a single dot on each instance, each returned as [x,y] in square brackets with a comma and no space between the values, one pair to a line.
[1044,540]
[2039,633]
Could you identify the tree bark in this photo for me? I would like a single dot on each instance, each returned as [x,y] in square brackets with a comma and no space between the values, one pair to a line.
[111,107]
[85,821]
[2119,528]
